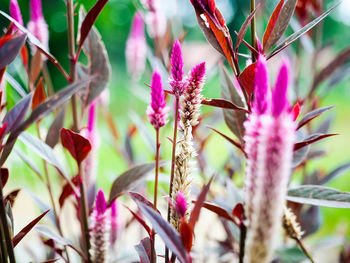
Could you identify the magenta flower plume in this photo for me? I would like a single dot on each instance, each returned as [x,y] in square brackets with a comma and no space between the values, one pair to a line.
[115,224]
[269,142]
[15,13]
[100,230]
[181,204]
[177,71]
[157,112]
[37,25]
[136,48]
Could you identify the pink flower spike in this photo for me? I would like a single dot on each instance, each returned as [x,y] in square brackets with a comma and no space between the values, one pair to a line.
[197,73]
[279,95]
[101,204]
[37,25]
[157,112]
[35,10]
[136,48]
[262,91]
[181,204]
[115,224]
[15,13]
[177,62]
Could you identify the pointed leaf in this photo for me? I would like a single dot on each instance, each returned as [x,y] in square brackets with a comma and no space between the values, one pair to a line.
[39,94]
[53,135]
[17,238]
[295,36]
[247,78]
[237,144]
[98,66]
[335,173]
[272,23]
[11,197]
[67,190]
[281,23]
[10,49]
[244,28]
[78,146]
[169,235]
[136,196]
[4,173]
[312,139]
[312,115]
[221,103]
[319,196]
[144,250]
[141,221]
[221,212]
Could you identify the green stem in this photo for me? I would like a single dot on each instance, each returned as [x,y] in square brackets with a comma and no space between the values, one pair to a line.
[177,102]
[5,226]
[252,29]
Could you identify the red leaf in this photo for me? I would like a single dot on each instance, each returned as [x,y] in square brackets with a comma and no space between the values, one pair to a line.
[4,176]
[272,22]
[296,111]
[88,23]
[9,48]
[39,94]
[77,145]
[186,232]
[246,79]
[142,199]
[141,221]
[24,55]
[220,212]
[238,212]
[312,139]
[68,190]
[221,103]
[199,203]
[17,238]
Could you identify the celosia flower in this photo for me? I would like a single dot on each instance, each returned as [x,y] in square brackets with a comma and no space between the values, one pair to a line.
[269,141]
[177,72]
[15,13]
[100,230]
[37,25]
[181,204]
[157,112]
[190,104]
[136,48]
[115,224]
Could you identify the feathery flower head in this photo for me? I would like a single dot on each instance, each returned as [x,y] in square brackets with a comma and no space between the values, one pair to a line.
[181,204]
[269,142]
[115,224]
[37,25]
[177,72]
[157,111]
[100,230]
[136,47]
[15,13]
[192,97]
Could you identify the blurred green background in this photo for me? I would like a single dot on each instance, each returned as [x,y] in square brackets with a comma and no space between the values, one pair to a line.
[114,24]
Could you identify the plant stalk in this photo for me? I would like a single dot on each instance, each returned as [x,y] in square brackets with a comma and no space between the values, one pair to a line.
[5,226]
[242,237]
[252,29]
[3,251]
[177,102]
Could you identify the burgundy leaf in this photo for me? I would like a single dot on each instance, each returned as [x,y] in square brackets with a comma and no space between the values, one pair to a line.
[67,190]
[144,250]
[237,144]
[170,236]
[312,139]
[141,221]
[88,23]
[187,234]
[17,238]
[221,212]
[11,197]
[199,203]
[39,94]
[4,176]
[238,212]
[78,146]
[244,28]
[10,48]
[246,79]
[135,196]
[312,115]
[221,103]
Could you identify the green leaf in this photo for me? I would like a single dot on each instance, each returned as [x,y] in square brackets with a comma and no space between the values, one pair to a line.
[319,196]
[291,255]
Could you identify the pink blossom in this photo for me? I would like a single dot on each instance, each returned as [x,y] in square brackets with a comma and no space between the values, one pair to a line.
[181,204]
[269,141]
[115,221]
[176,62]
[157,112]
[15,13]
[136,48]
[37,25]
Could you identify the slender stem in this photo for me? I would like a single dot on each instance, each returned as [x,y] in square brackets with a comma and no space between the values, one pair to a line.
[303,248]
[5,226]
[84,215]
[242,237]
[47,79]
[3,251]
[72,62]
[252,28]
[153,258]
[177,101]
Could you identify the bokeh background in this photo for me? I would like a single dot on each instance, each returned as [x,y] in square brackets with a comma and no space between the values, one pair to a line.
[114,25]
